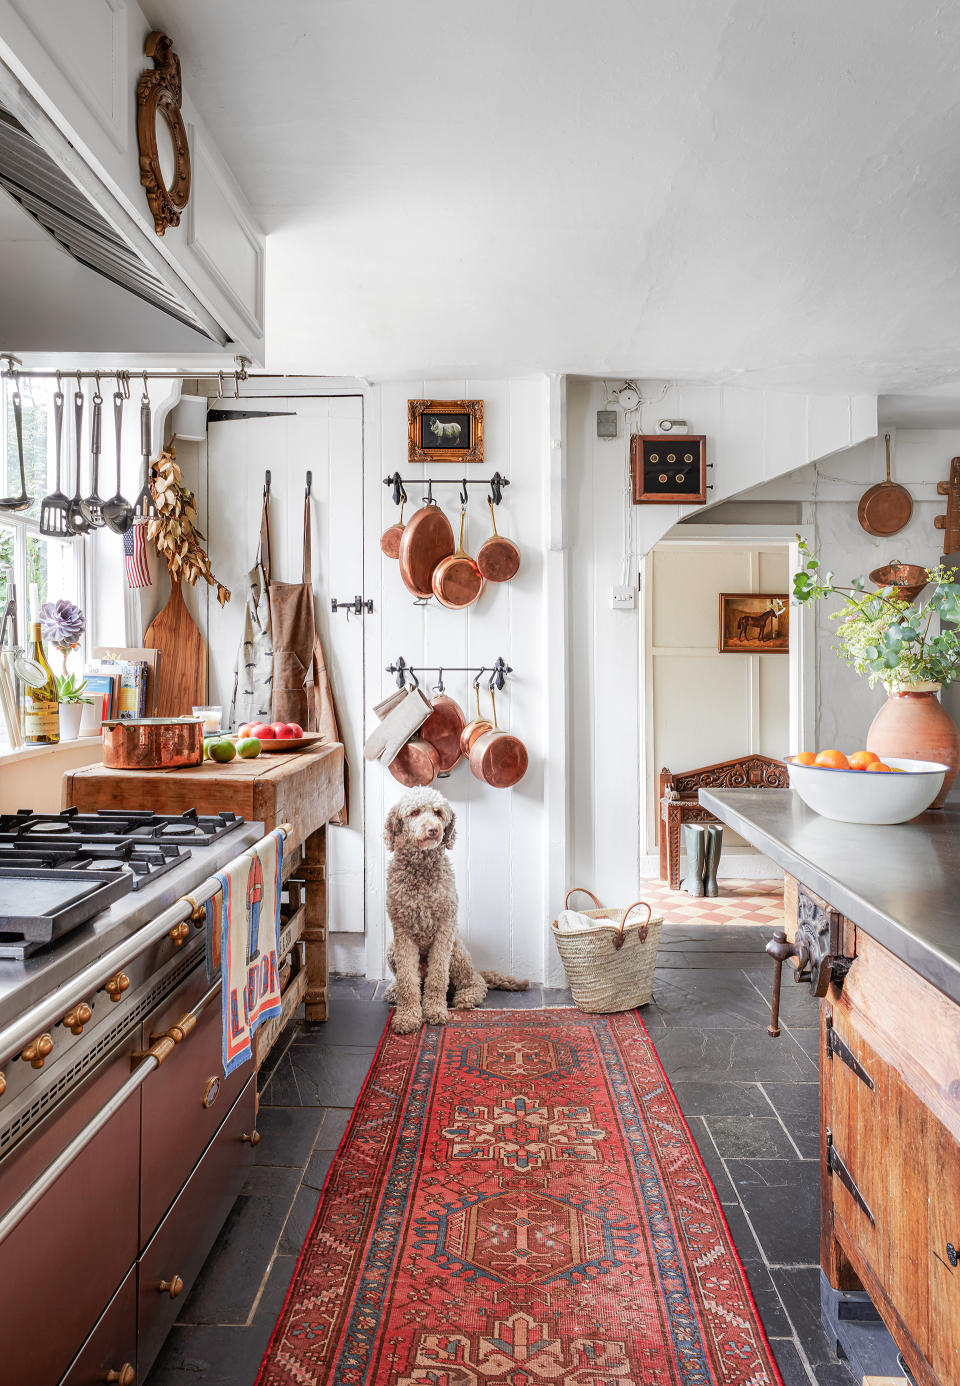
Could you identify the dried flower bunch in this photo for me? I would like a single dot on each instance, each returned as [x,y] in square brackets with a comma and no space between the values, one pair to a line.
[174,533]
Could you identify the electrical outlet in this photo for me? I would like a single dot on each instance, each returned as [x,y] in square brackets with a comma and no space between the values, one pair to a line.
[623,598]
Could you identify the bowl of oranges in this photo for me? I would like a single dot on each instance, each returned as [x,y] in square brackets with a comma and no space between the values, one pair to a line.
[862,788]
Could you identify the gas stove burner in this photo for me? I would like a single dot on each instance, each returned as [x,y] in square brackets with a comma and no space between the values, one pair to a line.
[198,829]
[114,855]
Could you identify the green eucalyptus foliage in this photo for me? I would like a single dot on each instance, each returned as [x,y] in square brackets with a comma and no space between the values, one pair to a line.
[883,637]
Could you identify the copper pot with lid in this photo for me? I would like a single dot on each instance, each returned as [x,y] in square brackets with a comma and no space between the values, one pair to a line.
[152,743]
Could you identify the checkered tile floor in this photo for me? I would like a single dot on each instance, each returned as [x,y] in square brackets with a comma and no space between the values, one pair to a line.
[739,902]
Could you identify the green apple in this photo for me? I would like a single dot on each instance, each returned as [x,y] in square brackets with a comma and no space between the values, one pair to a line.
[248,747]
[222,751]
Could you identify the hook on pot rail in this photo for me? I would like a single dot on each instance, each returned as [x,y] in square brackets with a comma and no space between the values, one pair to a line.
[498,672]
[496,483]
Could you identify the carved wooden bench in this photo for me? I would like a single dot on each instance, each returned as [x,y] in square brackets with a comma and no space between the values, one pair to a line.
[679,803]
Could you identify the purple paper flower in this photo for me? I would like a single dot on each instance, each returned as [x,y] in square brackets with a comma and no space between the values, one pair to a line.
[62,623]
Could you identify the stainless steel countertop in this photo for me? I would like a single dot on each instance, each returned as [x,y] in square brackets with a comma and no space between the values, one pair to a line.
[24,983]
[901,884]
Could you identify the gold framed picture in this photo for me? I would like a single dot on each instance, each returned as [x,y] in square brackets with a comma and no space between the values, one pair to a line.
[445,430]
[754,623]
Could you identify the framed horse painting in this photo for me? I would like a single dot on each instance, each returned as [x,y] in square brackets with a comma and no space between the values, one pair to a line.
[754,623]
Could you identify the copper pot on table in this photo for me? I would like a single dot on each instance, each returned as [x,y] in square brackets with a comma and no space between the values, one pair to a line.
[152,743]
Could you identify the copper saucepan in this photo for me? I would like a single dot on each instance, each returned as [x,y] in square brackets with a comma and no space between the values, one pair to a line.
[443,729]
[457,581]
[390,538]
[426,540]
[498,558]
[152,743]
[497,757]
[886,507]
[416,763]
[477,727]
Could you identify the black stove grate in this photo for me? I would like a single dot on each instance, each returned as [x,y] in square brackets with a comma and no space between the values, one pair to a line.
[190,827]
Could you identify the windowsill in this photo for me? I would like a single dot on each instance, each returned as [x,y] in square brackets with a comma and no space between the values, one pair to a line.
[8,757]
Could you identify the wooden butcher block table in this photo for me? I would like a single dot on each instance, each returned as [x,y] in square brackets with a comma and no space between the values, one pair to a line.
[304,789]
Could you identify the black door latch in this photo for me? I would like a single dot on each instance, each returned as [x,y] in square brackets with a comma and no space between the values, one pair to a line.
[358,606]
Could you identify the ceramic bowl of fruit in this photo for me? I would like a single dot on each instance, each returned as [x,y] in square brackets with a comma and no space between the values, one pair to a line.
[862,788]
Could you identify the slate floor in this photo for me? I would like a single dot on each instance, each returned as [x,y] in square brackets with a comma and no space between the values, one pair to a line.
[751,1102]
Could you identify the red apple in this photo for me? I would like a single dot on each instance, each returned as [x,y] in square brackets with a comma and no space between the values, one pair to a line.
[284,731]
[263,732]
[296,730]
[245,731]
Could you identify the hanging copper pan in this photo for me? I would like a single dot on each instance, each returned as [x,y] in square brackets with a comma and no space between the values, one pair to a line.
[390,538]
[426,540]
[443,729]
[499,558]
[457,581]
[886,507]
[497,757]
[416,763]
[476,728]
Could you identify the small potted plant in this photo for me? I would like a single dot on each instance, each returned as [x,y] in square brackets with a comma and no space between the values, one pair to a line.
[893,642]
[72,702]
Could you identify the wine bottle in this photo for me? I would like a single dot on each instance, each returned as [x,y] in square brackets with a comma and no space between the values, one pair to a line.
[41,705]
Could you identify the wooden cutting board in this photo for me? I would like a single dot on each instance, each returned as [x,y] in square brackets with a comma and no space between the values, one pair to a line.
[182,675]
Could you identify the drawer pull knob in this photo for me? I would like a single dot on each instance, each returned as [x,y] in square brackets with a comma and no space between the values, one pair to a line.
[76,1019]
[172,1287]
[126,1376]
[179,934]
[116,986]
[952,1256]
[251,1137]
[37,1051]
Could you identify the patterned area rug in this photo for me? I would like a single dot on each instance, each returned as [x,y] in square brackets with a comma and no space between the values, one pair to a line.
[739,902]
[518,1202]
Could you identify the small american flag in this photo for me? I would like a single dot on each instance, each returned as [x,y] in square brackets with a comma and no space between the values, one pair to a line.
[135,557]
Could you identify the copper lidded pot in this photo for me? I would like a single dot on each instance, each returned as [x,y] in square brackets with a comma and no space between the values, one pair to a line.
[152,743]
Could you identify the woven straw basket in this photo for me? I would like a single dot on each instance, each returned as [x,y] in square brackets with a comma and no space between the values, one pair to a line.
[610,969]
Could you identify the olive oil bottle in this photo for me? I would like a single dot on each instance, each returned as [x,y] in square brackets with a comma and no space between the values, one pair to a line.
[41,705]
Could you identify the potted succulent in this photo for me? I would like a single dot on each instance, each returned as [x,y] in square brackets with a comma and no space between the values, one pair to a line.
[72,702]
[906,647]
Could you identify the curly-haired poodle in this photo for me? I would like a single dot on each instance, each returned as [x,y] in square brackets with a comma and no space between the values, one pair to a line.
[422,904]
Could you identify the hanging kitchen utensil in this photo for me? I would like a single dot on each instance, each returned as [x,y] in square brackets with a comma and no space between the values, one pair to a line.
[907,579]
[415,763]
[181,674]
[477,727]
[457,581]
[498,758]
[144,506]
[498,558]
[93,504]
[886,507]
[55,510]
[23,501]
[75,516]
[117,511]
[390,538]
[443,728]
[427,539]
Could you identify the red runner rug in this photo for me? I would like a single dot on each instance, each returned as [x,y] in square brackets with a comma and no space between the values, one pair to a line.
[518,1202]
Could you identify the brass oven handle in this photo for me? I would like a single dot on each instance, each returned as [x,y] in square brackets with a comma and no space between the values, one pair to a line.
[126,1376]
[171,1287]
[779,948]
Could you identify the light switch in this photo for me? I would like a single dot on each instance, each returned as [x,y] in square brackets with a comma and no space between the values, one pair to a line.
[623,598]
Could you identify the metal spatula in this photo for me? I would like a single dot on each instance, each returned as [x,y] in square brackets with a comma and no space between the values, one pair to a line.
[23,501]
[144,506]
[76,520]
[92,505]
[55,510]
[117,511]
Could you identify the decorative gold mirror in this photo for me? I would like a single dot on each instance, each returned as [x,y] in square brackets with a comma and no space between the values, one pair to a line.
[162,135]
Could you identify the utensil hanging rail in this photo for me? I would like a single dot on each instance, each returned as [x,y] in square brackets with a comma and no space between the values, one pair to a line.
[496,483]
[498,671]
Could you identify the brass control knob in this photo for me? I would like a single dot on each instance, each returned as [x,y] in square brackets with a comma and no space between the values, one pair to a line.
[37,1051]
[116,986]
[251,1137]
[126,1376]
[179,934]
[172,1287]
[76,1019]
[3,1085]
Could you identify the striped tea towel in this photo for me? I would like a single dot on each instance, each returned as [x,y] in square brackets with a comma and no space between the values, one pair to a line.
[243,929]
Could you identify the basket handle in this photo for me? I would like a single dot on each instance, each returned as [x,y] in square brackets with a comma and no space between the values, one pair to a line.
[573,890]
[637,904]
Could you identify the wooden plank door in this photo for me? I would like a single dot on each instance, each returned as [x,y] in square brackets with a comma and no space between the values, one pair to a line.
[293,435]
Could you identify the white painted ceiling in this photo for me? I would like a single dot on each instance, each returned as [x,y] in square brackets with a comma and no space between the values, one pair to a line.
[765,191]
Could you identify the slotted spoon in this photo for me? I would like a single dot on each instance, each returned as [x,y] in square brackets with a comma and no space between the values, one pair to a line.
[117,511]
[55,510]
[76,520]
[23,501]
[93,504]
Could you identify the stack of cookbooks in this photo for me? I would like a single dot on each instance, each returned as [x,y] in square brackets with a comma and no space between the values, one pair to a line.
[122,683]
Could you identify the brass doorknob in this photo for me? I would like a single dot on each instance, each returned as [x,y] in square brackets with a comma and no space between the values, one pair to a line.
[251,1137]
[126,1376]
[179,934]
[37,1051]
[172,1287]
[76,1019]
[116,986]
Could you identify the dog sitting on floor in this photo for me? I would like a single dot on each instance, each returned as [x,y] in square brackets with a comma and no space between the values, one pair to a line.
[422,904]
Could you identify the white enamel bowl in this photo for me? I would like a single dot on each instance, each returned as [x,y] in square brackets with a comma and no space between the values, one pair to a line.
[858,796]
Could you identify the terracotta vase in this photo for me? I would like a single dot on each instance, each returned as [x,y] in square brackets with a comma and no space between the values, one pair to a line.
[914,725]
